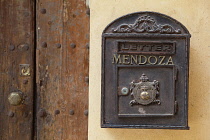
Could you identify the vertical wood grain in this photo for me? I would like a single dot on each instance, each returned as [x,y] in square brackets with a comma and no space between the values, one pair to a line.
[16,28]
[62,69]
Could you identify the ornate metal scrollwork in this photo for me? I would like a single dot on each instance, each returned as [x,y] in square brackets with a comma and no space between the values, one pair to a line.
[144,92]
[146,24]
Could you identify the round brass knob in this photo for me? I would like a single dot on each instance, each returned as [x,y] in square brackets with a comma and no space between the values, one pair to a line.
[145,95]
[15,98]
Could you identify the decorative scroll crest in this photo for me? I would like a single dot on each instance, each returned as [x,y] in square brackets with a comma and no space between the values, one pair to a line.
[146,24]
[144,92]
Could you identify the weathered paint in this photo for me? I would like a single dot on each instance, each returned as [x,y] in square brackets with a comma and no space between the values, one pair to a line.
[195,16]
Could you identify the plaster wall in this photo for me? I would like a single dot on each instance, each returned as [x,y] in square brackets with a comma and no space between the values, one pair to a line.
[195,15]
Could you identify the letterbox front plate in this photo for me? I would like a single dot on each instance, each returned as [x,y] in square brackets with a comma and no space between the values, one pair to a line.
[145,64]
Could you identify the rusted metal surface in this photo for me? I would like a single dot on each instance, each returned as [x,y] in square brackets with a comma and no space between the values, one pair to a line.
[62,67]
[137,48]
[16,47]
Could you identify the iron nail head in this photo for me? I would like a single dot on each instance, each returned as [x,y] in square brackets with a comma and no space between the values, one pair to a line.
[44,45]
[57,112]
[43,11]
[11,114]
[71,112]
[73,45]
[11,47]
[86,112]
[58,45]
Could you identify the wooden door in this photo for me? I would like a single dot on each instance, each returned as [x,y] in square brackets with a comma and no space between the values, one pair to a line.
[62,69]
[16,52]
[44,57]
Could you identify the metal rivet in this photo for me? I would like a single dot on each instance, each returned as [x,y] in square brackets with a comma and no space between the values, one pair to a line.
[86,112]
[23,47]
[124,91]
[87,46]
[87,79]
[42,113]
[88,11]
[57,112]
[49,22]
[58,45]
[73,45]
[71,112]
[25,81]
[11,114]
[43,11]
[15,98]
[11,47]
[44,45]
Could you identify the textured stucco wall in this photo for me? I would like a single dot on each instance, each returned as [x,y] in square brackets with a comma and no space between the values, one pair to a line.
[195,15]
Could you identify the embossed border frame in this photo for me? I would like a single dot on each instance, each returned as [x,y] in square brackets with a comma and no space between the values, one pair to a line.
[173,67]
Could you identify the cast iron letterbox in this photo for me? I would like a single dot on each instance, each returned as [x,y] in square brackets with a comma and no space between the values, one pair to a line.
[145,66]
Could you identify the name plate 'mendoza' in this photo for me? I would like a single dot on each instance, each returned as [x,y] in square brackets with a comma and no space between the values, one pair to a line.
[142,59]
